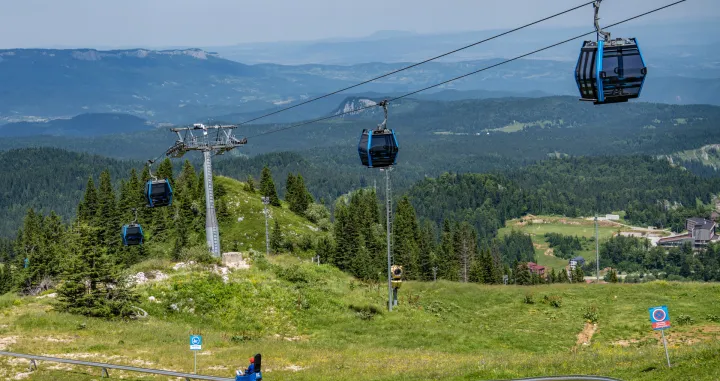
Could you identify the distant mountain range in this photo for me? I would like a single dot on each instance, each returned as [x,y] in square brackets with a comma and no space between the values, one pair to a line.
[184,86]
[81,125]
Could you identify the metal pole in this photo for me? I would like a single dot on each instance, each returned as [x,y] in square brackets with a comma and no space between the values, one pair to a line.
[195,363]
[212,233]
[266,201]
[389,260]
[667,356]
[597,250]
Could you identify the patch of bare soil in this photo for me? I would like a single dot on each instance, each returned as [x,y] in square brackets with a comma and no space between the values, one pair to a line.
[696,335]
[550,252]
[585,336]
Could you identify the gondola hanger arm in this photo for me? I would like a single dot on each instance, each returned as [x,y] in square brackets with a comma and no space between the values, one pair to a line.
[604,34]
[383,126]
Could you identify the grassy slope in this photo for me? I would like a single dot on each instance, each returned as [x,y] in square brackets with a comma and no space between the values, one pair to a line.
[441,330]
[563,225]
[247,225]
[707,155]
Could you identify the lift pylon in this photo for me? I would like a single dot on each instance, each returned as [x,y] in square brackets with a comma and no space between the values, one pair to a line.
[210,144]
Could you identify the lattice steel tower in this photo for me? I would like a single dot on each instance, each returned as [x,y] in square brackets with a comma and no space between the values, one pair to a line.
[219,143]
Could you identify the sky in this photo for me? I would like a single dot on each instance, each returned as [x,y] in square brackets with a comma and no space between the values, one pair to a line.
[207,23]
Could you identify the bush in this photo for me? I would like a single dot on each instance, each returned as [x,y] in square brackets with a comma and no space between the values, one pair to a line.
[259,260]
[366,312]
[528,299]
[591,314]
[295,274]
[198,254]
[685,320]
[713,318]
[553,300]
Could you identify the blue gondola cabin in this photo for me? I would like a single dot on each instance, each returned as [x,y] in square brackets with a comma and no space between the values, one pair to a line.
[610,71]
[158,193]
[132,235]
[378,148]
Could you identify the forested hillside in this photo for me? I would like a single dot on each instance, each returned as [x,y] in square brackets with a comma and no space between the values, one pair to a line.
[47,179]
[644,186]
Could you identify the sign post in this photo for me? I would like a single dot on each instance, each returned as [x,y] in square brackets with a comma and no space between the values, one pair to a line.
[195,346]
[660,319]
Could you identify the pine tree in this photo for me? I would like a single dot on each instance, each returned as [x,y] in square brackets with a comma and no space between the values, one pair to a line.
[578,276]
[6,277]
[405,234]
[31,249]
[165,171]
[562,276]
[304,198]
[92,286]
[87,210]
[449,267]
[291,194]
[552,278]
[276,239]
[267,187]
[427,256]
[107,217]
[611,276]
[522,276]
[250,184]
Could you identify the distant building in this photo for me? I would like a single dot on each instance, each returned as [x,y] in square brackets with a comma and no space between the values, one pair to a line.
[715,216]
[536,269]
[700,232]
[612,217]
[577,261]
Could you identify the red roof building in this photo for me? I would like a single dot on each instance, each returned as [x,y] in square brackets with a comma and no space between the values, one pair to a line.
[536,269]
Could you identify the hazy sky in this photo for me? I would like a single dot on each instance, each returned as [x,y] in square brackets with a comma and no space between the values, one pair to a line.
[162,23]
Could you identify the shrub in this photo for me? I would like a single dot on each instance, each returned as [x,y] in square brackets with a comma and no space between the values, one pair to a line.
[528,299]
[366,312]
[685,320]
[713,318]
[259,260]
[591,314]
[198,254]
[553,300]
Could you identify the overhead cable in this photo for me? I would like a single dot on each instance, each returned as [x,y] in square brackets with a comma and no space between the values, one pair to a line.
[417,64]
[471,73]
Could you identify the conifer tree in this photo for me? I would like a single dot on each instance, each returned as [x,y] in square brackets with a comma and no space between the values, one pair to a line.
[267,187]
[92,286]
[291,194]
[250,184]
[276,240]
[427,259]
[578,276]
[405,234]
[449,267]
[87,210]
[611,276]
[165,171]
[304,198]
[31,250]
[107,218]
[6,277]
[552,278]
[562,276]
[523,277]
